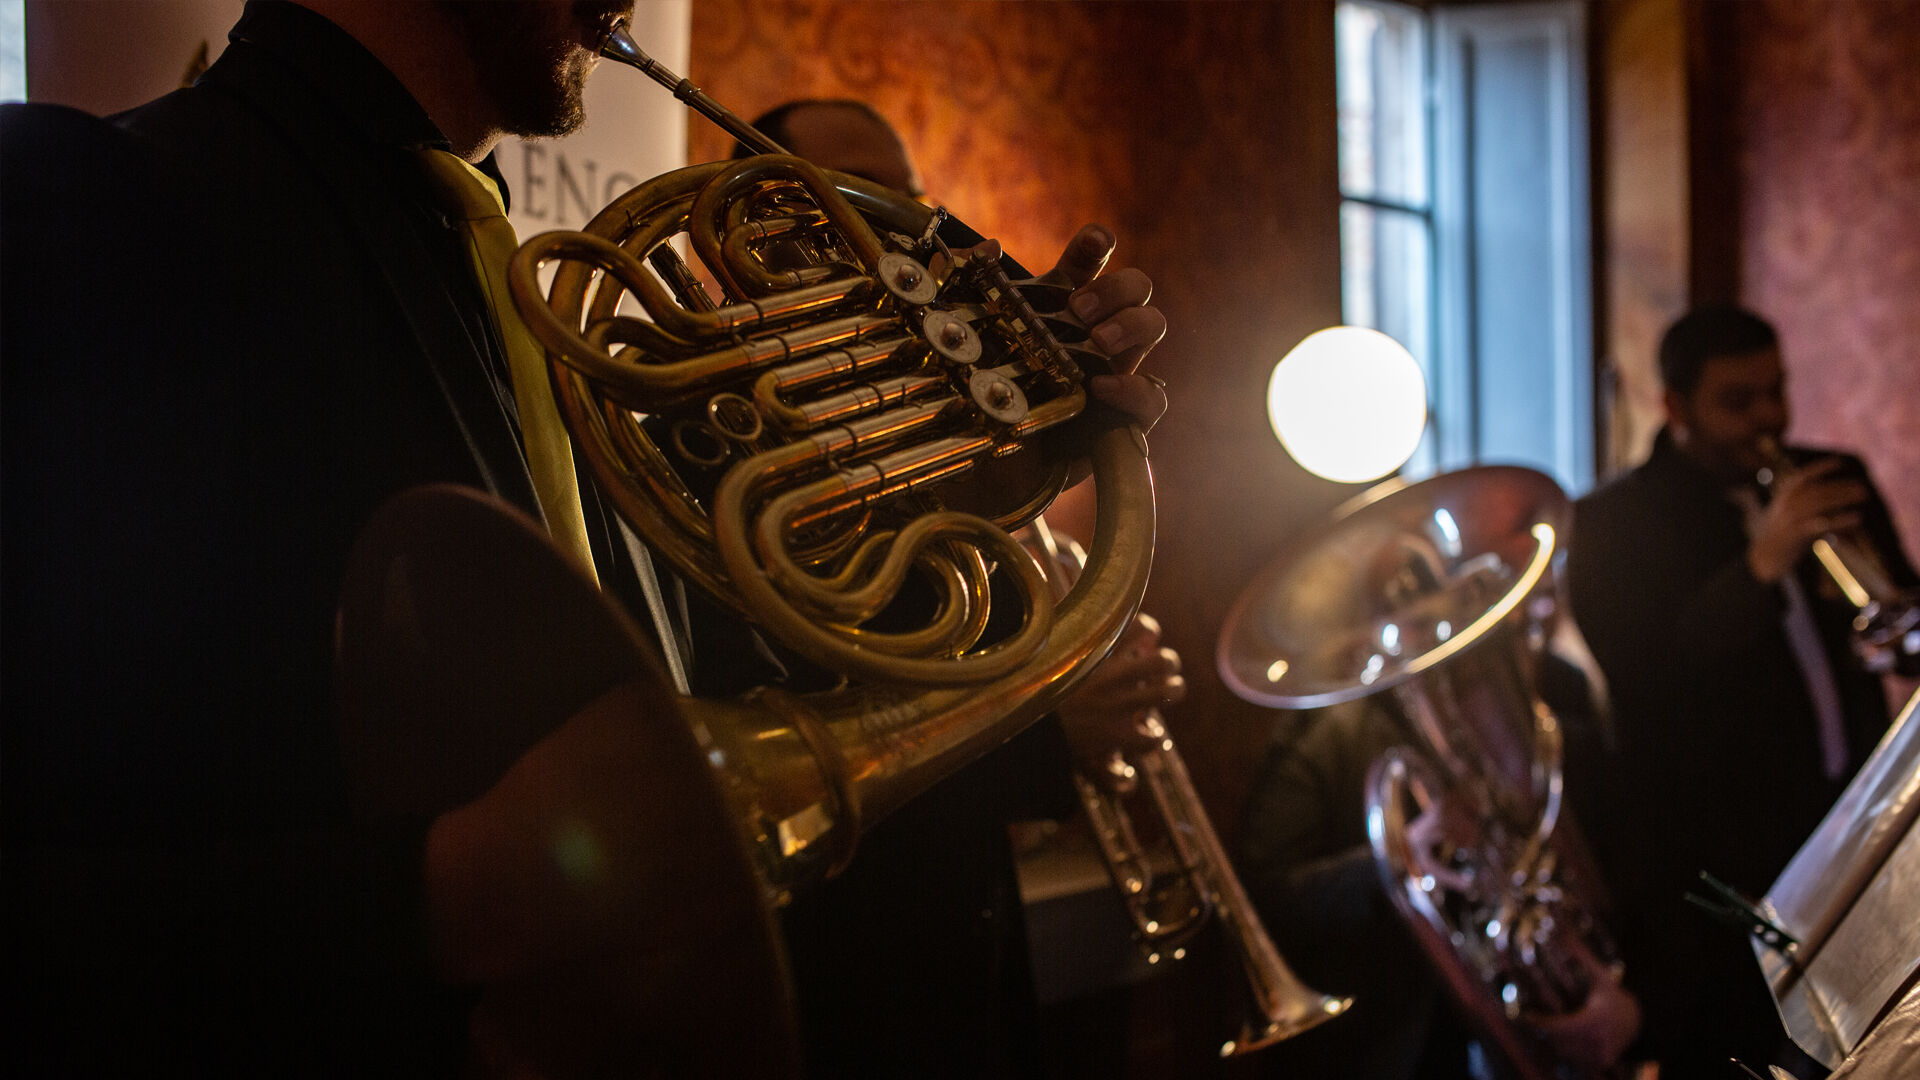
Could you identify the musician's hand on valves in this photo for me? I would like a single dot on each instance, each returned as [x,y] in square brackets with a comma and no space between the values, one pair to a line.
[1806,503]
[1593,1037]
[1443,828]
[1115,307]
[1113,706]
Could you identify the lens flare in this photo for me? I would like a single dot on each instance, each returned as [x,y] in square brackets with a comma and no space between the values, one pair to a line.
[1348,403]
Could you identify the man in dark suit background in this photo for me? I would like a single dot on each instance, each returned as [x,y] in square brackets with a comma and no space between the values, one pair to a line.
[1739,710]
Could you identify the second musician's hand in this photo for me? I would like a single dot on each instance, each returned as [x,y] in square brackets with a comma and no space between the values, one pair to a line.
[1109,709]
[1806,503]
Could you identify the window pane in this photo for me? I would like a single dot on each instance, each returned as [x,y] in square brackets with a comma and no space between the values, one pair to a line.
[1381,68]
[1385,284]
[13,50]
[1384,267]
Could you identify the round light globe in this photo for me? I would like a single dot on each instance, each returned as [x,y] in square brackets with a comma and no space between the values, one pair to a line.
[1348,403]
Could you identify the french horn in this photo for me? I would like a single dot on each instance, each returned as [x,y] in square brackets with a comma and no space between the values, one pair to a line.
[1435,598]
[831,402]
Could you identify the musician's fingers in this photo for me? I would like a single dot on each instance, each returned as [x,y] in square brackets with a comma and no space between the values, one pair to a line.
[1835,494]
[1129,335]
[1086,255]
[1826,523]
[1138,396]
[1120,672]
[1169,662]
[1173,690]
[1140,636]
[1097,301]
[1131,699]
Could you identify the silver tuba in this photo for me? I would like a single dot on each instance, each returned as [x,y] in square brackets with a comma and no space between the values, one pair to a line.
[1436,597]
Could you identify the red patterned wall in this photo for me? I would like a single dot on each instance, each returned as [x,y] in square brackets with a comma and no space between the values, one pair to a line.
[1828,126]
[1203,134]
[1640,165]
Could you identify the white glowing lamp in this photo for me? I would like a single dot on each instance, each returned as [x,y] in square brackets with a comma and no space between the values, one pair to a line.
[1348,403]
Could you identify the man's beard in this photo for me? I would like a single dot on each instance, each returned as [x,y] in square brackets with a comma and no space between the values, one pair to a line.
[530,61]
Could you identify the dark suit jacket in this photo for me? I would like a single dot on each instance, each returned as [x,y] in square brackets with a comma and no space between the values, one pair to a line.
[234,324]
[1718,763]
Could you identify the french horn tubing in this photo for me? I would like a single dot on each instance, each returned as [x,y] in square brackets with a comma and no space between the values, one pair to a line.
[841,417]
[819,405]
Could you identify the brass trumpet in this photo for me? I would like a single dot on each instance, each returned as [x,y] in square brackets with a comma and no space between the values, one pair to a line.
[1886,626]
[1168,912]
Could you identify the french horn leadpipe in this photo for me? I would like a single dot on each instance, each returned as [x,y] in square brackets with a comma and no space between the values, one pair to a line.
[798,397]
[1168,911]
[1886,622]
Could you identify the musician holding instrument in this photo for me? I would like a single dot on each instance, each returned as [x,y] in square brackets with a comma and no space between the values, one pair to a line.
[236,321]
[1731,651]
[1307,862]
[935,884]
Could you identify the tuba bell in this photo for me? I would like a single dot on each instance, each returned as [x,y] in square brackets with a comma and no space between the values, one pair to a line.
[826,401]
[1436,598]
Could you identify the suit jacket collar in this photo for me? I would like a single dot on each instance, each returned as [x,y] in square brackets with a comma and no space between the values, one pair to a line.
[304,76]
[362,92]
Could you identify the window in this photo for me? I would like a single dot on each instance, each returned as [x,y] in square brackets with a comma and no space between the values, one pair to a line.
[1386,212]
[1464,221]
[13,50]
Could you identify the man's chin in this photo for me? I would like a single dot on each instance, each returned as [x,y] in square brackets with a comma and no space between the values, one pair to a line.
[551,123]
[553,106]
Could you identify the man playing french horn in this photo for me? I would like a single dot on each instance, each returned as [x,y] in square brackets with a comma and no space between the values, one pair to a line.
[295,334]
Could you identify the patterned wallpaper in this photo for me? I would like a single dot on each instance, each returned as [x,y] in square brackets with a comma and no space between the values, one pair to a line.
[1641,195]
[1203,134]
[1829,166]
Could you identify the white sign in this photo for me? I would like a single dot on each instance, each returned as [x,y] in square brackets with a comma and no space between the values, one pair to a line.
[636,129]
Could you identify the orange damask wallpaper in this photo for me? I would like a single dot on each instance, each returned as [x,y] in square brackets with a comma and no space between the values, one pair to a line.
[1203,133]
[1829,167]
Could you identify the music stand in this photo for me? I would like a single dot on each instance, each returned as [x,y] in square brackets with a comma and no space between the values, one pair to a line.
[1851,896]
